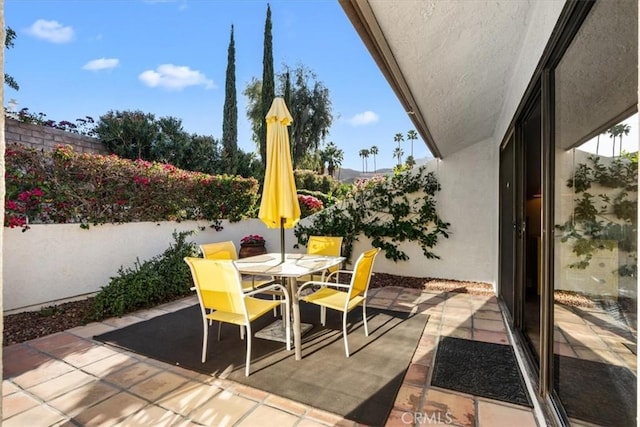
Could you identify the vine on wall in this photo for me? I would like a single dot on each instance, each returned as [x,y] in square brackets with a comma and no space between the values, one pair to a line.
[386,210]
[608,219]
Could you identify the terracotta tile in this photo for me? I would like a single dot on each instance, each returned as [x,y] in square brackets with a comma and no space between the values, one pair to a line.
[131,375]
[91,330]
[446,406]
[408,398]
[55,387]
[20,358]
[398,418]
[37,416]
[114,363]
[8,388]
[60,344]
[328,418]
[224,409]
[188,398]
[111,410]
[43,372]
[16,403]
[493,414]
[153,416]
[491,336]
[89,355]
[423,356]
[248,392]
[266,416]
[564,349]
[453,331]
[79,399]
[416,374]
[487,315]
[158,385]
[456,321]
[489,325]
[287,405]
[121,322]
[309,423]
[630,359]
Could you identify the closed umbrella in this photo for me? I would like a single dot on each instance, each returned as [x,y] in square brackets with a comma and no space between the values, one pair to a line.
[279,206]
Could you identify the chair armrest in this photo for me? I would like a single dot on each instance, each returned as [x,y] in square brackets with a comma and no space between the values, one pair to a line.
[317,283]
[265,289]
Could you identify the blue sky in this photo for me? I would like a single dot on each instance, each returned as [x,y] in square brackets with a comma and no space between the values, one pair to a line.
[78,58]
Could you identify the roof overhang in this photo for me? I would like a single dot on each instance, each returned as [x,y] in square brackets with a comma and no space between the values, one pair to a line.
[449,62]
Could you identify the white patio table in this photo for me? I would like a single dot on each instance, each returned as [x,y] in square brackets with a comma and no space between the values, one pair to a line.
[294,266]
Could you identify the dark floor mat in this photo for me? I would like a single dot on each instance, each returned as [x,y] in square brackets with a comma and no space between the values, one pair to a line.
[479,368]
[362,387]
[596,392]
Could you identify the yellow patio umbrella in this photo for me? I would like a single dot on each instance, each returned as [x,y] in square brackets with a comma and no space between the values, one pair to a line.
[279,206]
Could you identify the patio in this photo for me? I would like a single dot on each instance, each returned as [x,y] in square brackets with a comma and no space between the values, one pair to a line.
[70,379]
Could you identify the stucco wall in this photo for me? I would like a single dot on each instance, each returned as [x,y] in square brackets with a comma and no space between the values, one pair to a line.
[56,262]
[469,201]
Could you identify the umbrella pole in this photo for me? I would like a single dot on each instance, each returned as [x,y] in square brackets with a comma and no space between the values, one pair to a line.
[282,239]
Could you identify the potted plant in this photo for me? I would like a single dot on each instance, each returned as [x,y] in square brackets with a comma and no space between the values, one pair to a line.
[251,245]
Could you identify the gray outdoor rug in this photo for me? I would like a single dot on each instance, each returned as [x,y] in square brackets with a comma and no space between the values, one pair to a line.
[479,368]
[361,388]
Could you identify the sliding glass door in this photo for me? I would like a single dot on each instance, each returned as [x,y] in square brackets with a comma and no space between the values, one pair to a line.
[595,286]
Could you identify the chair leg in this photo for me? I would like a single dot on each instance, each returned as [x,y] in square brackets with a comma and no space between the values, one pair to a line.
[205,336]
[323,315]
[219,328]
[344,333]
[287,323]
[246,369]
[241,332]
[364,318]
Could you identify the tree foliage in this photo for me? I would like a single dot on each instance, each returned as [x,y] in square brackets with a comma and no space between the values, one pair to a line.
[9,42]
[230,114]
[267,92]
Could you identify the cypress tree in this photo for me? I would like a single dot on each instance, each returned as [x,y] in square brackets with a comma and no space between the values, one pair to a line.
[230,114]
[268,85]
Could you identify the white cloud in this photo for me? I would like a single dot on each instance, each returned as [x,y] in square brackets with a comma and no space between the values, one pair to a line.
[175,77]
[51,31]
[365,118]
[101,64]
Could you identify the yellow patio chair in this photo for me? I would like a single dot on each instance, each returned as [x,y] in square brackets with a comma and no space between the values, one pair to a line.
[222,299]
[322,245]
[227,250]
[346,297]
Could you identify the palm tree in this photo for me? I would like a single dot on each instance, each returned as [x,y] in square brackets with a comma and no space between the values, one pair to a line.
[411,162]
[617,131]
[412,135]
[363,153]
[397,153]
[333,156]
[374,152]
[398,138]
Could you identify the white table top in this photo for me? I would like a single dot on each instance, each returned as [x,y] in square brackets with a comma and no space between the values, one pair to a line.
[294,265]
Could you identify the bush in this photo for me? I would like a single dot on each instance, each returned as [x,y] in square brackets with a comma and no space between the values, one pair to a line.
[161,279]
[67,187]
[309,180]
[309,205]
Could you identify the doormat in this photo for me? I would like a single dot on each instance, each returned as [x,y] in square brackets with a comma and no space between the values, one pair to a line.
[595,392]
[361,388]
[481,369]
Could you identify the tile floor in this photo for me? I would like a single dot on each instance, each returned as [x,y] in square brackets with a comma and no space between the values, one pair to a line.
[67,379]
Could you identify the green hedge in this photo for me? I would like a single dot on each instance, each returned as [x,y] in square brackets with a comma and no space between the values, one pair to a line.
[68,187]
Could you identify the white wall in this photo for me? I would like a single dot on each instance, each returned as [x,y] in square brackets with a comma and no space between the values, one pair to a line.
[469,201]
[56,262]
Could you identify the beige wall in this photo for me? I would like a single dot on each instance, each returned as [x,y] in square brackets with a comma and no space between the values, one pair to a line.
[62,261]
[469,201]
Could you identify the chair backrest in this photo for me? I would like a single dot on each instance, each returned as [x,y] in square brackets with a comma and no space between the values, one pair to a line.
[324,245]
[219,250]
[362,273]
[218,284]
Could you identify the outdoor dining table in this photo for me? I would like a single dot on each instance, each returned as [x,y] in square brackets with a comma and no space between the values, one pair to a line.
[293,267]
